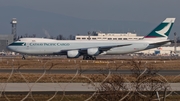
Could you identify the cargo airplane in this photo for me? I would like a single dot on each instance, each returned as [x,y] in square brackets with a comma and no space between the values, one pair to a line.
[89,49]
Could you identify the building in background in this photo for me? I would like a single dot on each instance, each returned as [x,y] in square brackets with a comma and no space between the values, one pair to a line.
[6,39]
[163,51]
[109,36]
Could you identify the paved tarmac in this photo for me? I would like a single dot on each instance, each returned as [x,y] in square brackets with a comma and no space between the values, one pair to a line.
[98,57]
[71,71]
[61,87]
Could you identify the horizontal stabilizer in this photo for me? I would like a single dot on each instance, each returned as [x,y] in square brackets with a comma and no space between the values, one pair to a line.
[161,43]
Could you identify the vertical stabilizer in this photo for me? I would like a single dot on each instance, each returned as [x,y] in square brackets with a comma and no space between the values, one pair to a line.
[162,30]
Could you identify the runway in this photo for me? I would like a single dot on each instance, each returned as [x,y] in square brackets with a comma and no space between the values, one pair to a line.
[73,71]
[64,87]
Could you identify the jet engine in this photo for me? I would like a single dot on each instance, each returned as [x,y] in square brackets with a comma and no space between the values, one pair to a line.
[73,54]
[93,51]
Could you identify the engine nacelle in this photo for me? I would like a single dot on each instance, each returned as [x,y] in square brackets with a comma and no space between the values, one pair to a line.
[73,54]
[93,51]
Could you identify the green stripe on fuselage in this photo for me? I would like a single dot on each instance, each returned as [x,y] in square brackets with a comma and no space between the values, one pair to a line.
[18,44]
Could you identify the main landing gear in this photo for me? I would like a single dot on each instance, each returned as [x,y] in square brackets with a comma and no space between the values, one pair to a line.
[87,57]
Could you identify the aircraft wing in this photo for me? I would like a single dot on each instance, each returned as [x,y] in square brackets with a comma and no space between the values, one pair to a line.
[84,50]
[105,48]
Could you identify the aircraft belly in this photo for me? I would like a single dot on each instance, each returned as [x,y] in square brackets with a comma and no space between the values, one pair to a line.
[126,49]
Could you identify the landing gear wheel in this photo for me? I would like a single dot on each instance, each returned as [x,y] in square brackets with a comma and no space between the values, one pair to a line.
[84,57]
[94,58]
[87,57]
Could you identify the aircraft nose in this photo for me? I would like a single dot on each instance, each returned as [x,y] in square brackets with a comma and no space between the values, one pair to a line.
[11,48]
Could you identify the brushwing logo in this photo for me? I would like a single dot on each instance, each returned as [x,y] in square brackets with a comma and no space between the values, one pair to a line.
[164,30]
[24,44]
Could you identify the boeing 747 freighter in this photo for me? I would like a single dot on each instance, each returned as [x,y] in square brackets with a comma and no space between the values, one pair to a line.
[90,49]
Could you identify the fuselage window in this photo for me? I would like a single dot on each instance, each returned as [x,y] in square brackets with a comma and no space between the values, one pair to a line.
[109,38]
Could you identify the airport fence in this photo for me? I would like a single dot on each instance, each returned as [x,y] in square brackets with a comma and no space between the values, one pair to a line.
[144,82]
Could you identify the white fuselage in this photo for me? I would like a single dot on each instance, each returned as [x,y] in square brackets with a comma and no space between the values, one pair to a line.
[38,46]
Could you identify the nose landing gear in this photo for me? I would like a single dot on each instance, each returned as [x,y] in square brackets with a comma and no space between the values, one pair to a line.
[23,57]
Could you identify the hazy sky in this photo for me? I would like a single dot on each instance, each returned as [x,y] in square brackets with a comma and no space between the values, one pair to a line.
[117,10]
[104,9]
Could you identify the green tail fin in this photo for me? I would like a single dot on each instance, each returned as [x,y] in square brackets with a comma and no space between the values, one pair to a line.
[162,30]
